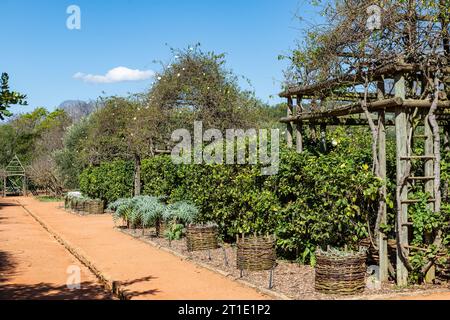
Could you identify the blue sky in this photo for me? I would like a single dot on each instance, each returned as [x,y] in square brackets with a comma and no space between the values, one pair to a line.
[42,55]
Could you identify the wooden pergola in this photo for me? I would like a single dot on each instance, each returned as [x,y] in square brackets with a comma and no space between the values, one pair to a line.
[391,105]
[14,169]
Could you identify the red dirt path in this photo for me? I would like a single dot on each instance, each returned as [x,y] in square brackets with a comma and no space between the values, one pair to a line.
[33,265]
[144,271]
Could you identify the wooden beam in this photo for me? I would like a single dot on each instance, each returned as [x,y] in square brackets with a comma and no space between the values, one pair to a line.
[389,105]
[346,96]
[353,108]
[424,104]
[349,79]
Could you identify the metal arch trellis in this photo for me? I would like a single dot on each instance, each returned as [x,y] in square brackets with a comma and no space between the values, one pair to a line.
[14,169]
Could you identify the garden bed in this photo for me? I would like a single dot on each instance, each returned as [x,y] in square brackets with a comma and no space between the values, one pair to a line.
[290,279]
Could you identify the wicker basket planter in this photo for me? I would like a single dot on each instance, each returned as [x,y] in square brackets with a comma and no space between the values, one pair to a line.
[95,207]
[373,255]
[340,272]
[160,228]
[202,237]
[78,205]
[66,202]
[256,253]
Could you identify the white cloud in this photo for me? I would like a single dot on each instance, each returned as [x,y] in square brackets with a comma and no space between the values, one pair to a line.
[119,74]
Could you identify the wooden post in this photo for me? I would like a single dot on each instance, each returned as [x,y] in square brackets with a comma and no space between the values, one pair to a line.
[4,187]
[429,186]
[24,186]
[299,127]
[312,127]
[401,126]
[289,131]
[446,149]
[382,237]
[323,136]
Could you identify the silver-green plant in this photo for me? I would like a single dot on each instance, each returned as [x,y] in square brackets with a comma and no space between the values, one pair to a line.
[182,211]
[122,209]
[150,210]
[144,211]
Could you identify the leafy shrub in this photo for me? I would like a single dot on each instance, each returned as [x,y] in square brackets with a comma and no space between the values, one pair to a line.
[175,231]
[159,176]
[109,181]
[315,199]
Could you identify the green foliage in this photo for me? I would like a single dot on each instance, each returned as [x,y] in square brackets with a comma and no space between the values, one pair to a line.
[20,136]
[426,223]
[122,209]
[316,199]
[159,175]
[150,210]
[71,159]
[175,231]
[8,98]
[109,181]
[198,86]
[140,211]
[182,211]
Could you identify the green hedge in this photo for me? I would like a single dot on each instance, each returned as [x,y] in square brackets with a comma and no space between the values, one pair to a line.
[109,181]
[315,199]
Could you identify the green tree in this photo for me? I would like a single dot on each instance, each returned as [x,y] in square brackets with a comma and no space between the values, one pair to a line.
[8,98]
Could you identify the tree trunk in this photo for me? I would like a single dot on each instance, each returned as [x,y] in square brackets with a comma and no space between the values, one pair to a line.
[137,175]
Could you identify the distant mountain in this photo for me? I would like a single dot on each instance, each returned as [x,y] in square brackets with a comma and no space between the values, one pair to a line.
[77,109]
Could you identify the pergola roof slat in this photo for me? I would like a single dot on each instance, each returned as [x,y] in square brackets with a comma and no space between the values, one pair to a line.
[356,108]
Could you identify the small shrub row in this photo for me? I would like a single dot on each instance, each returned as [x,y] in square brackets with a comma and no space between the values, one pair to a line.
[148,211]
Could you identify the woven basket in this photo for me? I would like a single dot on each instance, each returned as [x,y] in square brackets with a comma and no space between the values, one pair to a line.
[66,202]
[373,254]
[78,205]
[95,207]
[343,275]
[160,229]
[256,253]
[202,237]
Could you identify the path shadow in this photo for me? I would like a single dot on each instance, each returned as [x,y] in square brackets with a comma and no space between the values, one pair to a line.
[42,291]
[46,291]
[144,279]
[8,204]
[132,294]
[7,266]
